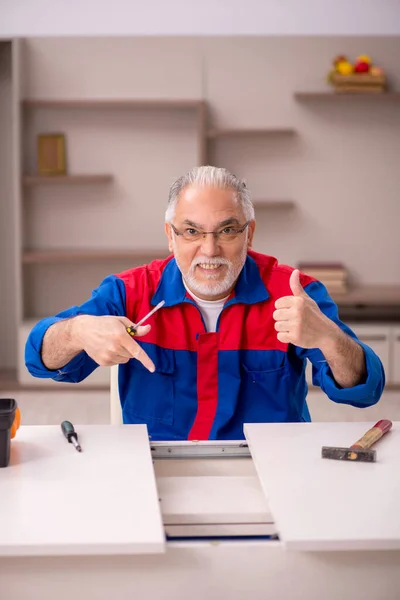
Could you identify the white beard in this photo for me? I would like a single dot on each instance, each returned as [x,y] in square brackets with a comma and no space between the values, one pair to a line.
[211,287]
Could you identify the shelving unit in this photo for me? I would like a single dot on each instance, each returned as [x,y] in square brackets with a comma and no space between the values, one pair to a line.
[198,106]
[237,134]
[98,103]
[369,295]
[257,132]
[34,180]
[333,95]
[44,257]
[370,303]
[35,261]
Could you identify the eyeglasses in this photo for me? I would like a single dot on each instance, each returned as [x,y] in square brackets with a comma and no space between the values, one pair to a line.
[225,234]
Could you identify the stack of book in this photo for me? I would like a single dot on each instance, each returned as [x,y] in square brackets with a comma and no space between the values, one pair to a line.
[332,275]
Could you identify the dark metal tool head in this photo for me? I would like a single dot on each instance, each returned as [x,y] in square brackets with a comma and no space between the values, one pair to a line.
[353,454]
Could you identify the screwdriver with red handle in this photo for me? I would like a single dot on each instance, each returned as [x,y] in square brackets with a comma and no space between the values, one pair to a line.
[69,432]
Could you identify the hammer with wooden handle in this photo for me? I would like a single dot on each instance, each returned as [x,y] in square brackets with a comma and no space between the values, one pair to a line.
[360,451]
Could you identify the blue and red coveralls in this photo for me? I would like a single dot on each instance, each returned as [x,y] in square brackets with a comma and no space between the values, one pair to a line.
[206,385]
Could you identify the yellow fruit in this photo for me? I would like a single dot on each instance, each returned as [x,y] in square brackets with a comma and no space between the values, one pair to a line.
[364,58]
[344,67]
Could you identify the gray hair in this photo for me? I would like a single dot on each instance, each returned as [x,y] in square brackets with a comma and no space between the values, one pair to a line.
[210,177]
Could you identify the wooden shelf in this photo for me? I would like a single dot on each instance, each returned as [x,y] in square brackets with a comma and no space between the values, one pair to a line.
[280,204]
[112,104]
[31,257]
[226,133]
[329,95]
[33,180]
[370,295]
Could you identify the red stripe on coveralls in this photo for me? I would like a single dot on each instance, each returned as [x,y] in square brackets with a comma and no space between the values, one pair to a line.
[207,386]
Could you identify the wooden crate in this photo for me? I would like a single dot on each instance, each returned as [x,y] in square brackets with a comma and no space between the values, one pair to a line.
[358,83]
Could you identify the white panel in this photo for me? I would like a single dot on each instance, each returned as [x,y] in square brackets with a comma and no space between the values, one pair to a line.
[321,504]
[207,500]
[103,501]
[395,357]
[115,401]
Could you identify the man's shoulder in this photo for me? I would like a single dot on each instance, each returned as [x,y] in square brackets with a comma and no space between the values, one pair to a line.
[147,275]
[276,275]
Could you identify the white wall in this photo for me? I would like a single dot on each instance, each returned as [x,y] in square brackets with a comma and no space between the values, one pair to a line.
[199,17]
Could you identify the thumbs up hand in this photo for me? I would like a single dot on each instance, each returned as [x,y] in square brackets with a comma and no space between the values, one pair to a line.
[299,320]
[295,285]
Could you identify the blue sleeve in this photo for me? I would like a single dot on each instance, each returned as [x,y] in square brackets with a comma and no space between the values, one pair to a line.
[107,299]
[362,395]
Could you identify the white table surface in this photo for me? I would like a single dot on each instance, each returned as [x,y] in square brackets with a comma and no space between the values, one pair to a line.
[321,504]
[103,501]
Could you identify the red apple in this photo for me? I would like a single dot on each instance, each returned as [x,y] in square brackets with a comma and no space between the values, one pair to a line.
[361,67]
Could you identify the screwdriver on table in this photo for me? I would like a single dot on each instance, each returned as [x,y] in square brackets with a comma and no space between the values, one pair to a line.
[69,432]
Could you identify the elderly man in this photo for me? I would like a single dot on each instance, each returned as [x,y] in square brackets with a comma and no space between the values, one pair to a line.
[230,344]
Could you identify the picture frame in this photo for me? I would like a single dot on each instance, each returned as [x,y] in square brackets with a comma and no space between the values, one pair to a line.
[51,149]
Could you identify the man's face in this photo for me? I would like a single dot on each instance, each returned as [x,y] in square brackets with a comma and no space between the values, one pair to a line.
[209,265]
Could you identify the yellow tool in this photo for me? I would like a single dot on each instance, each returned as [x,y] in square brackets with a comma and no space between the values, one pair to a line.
[132,329]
